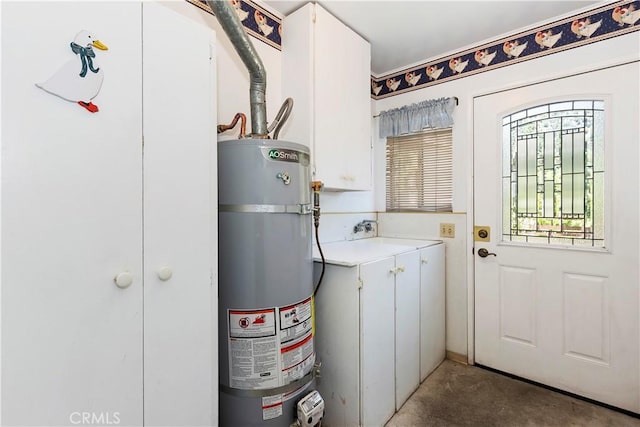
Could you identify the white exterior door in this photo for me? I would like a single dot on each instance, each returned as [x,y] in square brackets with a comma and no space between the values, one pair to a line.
[558,303]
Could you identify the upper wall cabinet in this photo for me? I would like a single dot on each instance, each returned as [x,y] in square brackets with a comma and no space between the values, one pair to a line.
[326,69]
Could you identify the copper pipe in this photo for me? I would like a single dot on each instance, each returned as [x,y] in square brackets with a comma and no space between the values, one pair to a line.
[243,125]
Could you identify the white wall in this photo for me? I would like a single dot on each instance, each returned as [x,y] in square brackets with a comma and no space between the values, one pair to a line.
[459,258]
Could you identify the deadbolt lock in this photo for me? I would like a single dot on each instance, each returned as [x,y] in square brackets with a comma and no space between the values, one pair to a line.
[481,233]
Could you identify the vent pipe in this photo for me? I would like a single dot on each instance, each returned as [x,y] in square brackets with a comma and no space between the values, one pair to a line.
[232,26]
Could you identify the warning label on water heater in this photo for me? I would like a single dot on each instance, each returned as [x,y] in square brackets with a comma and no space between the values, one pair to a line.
[297,359]
[253,349]
[295,320]
[271,407]
[270,347]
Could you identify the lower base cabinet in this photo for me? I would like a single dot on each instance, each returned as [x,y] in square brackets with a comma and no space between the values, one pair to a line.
[379,333]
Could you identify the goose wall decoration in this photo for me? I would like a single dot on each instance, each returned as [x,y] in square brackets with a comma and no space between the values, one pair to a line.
[80,79]
[434,72]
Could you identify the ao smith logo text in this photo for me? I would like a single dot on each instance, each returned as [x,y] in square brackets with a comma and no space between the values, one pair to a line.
[285,155]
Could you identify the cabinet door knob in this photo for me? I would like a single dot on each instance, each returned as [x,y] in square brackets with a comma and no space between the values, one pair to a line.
[397,270]
[165,273]
[425,260]
[123,280]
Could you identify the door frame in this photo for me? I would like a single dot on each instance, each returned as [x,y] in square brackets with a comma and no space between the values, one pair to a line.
[471,285]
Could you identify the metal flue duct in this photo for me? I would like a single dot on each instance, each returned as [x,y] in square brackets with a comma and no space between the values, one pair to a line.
[257,73]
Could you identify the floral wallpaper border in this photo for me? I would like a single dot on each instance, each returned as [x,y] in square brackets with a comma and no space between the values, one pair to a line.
[612,20]
[257,21]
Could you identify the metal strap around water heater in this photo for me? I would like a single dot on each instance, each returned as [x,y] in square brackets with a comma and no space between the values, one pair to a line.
[301,209]
[269,391]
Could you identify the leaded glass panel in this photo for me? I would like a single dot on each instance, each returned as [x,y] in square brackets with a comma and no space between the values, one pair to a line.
[553,174]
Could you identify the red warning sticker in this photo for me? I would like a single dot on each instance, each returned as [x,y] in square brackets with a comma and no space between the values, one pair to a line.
[271,406]
[252,323]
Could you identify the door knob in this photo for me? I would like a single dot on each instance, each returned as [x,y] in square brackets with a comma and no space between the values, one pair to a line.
[123,280]
[485,253]
[165,273]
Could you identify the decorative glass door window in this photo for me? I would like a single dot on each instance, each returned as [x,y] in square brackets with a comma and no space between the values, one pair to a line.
[553,174]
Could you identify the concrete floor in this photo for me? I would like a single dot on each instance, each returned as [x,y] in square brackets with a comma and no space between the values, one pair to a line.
[461,395]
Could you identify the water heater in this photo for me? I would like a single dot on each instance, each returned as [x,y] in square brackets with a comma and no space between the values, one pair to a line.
[266,313]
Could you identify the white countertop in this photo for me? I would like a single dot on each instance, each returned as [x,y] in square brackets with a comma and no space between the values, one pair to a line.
[353,252]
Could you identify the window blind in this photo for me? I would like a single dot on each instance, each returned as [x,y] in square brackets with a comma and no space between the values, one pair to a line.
[419,173]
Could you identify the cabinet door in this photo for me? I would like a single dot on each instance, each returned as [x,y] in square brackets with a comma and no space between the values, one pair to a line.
[71,219]
[432,309]
[376,342]
[342,146]
[179,212]
[336,340]
[297,75]
[407,325]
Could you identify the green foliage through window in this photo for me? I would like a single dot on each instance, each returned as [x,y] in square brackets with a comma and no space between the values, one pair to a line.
[553,174]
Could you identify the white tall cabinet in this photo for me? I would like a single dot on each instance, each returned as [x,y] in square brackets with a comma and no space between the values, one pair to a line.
[325,69]
[127,192]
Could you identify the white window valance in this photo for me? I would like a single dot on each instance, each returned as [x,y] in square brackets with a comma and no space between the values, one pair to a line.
[433,113]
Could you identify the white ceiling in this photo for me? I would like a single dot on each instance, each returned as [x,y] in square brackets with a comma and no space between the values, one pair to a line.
[404,33]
